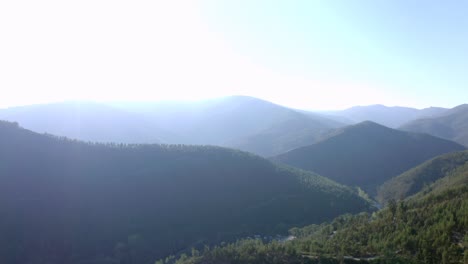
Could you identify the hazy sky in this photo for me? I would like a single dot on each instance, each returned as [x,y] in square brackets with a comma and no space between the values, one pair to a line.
[307,54]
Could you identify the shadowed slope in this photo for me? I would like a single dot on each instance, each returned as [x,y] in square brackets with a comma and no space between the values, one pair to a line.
[66,201]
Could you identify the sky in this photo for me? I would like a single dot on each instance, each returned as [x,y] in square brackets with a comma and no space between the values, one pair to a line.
[329,54]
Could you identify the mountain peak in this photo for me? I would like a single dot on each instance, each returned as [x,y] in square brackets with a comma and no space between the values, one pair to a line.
[461,107]
[363,128]
[368,124]
[8,125]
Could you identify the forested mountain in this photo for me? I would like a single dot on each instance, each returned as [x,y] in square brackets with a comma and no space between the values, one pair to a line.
[240,122]
[429,228]
[453,167]
[367,154]
[388,116]
[64,201]
[452,124]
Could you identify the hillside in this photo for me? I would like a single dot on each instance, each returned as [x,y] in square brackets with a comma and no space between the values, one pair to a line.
[66,201]
[367,154]
[429,228]
[452,167]
[388,116]
[453,125]
[236,121]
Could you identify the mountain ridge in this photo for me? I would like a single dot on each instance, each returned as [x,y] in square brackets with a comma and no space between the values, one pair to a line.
[146,200]
[390,116]
[234,122]
[367,154]
[452,125]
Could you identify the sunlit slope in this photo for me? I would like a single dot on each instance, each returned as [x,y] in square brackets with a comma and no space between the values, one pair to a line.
[447,171]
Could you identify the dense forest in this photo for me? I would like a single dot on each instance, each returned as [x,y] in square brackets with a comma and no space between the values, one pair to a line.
[65,201]
[367,154]
[451,167]
[429,228]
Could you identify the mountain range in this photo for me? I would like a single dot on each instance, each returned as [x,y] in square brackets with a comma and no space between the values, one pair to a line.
[392,117]
[239,122]
[451,124]
[66,201]
[84,189]
[367,154]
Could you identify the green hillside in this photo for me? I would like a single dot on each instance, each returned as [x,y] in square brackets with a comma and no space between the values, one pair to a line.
[367,154]
[451,167]
[429,228]
[66,201]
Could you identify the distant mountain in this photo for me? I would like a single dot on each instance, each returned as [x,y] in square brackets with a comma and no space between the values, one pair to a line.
[452,124]
[388,116]
[240,122]
[367,154]
[226,120]
[89,122]
[64,201]
[453,167]
[295,131]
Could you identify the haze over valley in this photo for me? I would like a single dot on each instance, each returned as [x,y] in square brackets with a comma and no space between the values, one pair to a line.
[154,179]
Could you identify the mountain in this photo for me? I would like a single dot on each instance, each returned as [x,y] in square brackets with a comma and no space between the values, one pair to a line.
[87,121]
[65,201]
[293,132]
[388,116]
[367,154]
[430,227]
[452,124]
[453,167]
[241,122]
